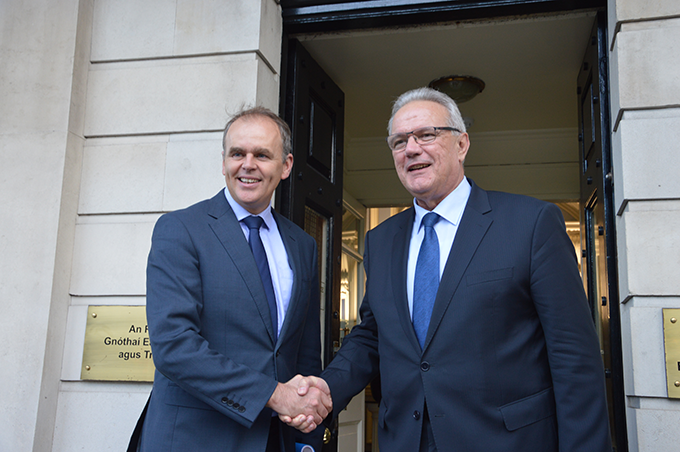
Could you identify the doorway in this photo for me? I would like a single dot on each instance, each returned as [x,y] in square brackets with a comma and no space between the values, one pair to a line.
[523,126]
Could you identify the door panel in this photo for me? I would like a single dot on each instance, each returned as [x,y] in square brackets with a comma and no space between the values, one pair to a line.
[317,225]
[312,196]
[351,431]
[351,421]
[598,239]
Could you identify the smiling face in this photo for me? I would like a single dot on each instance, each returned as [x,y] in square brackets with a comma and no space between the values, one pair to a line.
[433,170]
[253,163]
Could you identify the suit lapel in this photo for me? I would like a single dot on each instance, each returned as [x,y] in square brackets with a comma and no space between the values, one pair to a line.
[224,224]
[400,246]
[473,227]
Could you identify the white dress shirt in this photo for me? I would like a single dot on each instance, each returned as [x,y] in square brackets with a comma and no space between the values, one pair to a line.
[451,211]
[277,257]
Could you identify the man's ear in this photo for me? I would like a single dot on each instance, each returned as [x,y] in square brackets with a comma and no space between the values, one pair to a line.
[287,166]
[462,146]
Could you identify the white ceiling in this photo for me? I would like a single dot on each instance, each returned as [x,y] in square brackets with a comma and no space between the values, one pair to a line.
[529,65]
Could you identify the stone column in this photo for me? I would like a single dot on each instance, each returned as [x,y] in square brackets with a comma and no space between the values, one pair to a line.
[40,147]
[645,93]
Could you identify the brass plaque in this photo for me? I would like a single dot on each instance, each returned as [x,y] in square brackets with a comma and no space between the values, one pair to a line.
[671,336]
[117,345]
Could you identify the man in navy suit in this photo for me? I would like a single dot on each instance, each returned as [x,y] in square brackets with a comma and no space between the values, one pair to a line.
[223,335]
[474,314]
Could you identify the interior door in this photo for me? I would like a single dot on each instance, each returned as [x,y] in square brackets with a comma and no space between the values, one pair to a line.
[598,243]
[312,196]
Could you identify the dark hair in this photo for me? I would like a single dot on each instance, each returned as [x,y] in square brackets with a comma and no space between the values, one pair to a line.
[284,130]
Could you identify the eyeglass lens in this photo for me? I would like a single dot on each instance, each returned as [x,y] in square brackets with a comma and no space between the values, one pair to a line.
[398,141]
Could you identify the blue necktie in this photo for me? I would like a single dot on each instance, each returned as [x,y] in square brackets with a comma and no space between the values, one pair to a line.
[254,223]
[426,281]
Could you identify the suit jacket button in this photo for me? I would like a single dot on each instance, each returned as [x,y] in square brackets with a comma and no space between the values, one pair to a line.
[225,400]
[424,366]
[416,415]
[236,405]
[278,352]
[230,402]
[241,409]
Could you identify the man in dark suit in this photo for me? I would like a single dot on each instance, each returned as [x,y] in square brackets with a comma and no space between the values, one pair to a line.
[233,308]
[474,313]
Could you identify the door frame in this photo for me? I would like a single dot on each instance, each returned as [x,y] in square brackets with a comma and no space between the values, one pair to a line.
[597,201]
[322,16]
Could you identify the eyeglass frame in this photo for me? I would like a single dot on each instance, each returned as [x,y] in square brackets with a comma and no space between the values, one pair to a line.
[415,137]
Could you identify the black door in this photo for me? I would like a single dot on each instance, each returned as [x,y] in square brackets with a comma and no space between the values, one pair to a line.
[312,196]
[598,241]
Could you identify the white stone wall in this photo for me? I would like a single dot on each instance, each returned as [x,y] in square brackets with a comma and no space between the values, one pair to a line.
[111,114]
[40,141]
[645,91]
[164,77]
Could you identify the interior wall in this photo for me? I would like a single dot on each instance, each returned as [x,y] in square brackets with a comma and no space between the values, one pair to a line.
[542,163]
[645,110]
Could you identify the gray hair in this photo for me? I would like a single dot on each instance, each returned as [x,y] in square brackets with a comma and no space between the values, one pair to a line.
[284,130]
[428,94]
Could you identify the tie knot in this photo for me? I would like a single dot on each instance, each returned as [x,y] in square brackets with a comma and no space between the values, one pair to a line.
[253,222]
[430,219]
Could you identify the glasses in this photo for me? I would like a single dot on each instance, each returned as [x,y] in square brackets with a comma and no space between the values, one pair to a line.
[398,141]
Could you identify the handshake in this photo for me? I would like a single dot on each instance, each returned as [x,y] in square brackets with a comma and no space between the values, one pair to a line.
[302,402]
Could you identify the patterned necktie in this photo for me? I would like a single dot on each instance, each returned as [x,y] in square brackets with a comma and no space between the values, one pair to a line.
[426,281]
[254,223]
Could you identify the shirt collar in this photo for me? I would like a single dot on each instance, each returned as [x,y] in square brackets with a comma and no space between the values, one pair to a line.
[241,212]
[451,208]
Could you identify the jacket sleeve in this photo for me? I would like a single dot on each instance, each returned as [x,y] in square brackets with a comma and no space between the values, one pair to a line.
[357,361]
[573,348]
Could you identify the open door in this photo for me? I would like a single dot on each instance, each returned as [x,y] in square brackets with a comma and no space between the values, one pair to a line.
[598,243]
[312,196]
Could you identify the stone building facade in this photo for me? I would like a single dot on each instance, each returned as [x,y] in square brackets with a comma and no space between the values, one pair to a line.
[111,113]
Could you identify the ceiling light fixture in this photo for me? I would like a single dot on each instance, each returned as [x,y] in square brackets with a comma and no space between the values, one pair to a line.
[460,88]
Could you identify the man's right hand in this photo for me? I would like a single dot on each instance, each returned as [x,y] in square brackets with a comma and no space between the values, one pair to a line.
[302,402]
